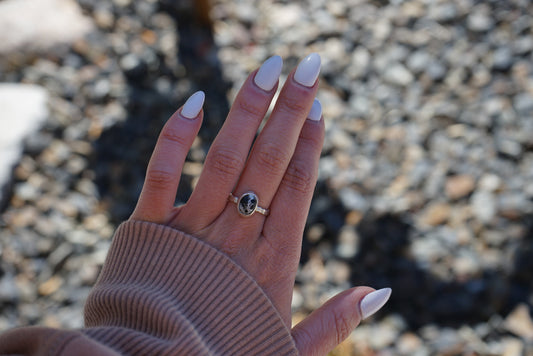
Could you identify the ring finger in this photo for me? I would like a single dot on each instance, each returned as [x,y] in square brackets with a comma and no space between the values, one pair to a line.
[276,143]
[230,149]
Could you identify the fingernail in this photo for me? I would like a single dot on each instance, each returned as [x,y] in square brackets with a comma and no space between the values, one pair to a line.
[193,105]
[374,301]
[316,111]
[267,76]
[308,69]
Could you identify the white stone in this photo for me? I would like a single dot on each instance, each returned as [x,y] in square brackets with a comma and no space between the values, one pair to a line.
[24,108]
[285,16]
[490,182]
[397,74]
[484,205]
[519,322]
[38,25]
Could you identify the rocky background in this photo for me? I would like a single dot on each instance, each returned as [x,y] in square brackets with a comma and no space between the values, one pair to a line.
[426,178]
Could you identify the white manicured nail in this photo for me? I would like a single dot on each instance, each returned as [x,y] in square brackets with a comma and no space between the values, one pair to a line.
[374,301]
[316,111]
[308,69]
[267,76]
[193,105]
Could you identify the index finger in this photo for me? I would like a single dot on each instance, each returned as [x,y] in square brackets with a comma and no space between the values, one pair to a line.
[164,170]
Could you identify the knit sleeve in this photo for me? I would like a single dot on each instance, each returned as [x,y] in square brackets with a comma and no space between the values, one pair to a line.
[164,292]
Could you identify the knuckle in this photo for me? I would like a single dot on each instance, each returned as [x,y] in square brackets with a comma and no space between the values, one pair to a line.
[298,178]
[250,109]
[158,179]
[263,275]
[312,140]
[175,138]
[276,241]
[272,159]
[303,337]
[293,107]
[232,245]
[226,163]
[273,258]
[269,271]
[343,326]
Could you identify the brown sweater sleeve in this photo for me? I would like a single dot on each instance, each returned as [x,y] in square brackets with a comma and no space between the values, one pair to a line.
[162,292]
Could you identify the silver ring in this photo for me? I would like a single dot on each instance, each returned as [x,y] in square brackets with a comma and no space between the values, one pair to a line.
[247,204]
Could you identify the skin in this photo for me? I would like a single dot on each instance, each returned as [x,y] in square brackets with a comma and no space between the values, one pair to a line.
[282,169]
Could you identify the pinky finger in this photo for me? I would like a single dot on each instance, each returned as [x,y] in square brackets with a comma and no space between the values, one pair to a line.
[164,170]
[329,325]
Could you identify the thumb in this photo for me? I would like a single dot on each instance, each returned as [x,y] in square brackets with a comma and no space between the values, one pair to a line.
[330,324]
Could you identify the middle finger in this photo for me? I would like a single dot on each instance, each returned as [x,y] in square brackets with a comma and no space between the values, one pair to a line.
[229,151]
[275,145]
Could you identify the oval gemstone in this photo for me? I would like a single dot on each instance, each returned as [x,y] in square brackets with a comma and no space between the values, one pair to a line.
[247,204]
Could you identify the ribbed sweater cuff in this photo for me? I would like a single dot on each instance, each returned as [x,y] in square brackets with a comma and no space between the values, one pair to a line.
[161,290]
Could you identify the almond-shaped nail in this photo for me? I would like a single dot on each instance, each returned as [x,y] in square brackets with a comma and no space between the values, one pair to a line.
[374,301]
[193,105]
[316,111]
[268,74]
[308,69]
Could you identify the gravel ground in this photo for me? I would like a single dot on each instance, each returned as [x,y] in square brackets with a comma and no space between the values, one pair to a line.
[426,177]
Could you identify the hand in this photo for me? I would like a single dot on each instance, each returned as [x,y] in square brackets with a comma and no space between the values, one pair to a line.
[281,169]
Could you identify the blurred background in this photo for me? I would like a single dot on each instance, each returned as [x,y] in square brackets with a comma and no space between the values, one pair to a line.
[426,177]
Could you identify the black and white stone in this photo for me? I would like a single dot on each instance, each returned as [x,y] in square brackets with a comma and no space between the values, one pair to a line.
[247,204]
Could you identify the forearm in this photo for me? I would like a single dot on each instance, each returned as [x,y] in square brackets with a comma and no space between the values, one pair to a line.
[173,288]
[162,291]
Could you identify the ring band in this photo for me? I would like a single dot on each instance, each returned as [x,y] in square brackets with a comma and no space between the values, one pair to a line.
[247,204]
